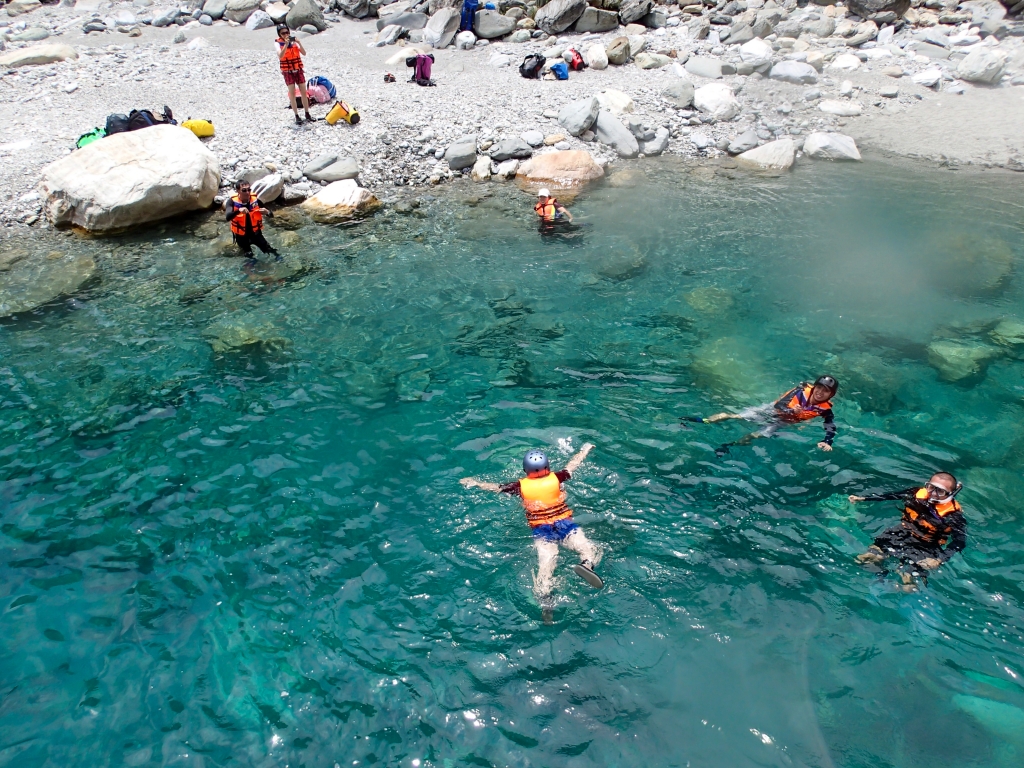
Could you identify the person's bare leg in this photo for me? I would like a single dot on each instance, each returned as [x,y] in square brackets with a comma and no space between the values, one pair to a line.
[292,101]
[577,541]
[305,99]
[547,559]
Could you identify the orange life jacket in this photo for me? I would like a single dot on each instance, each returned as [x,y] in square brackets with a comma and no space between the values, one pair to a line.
[292,59]
[799,408]
[543,500]
[251,212]
[547,211]
[928,520]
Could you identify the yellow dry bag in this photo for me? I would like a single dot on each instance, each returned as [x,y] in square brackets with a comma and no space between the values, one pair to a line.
[201,128]
[342,111]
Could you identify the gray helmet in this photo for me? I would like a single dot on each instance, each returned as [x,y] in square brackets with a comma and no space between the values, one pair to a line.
[535,461]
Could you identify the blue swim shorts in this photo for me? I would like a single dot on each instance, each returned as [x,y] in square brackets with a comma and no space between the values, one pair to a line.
[557,531]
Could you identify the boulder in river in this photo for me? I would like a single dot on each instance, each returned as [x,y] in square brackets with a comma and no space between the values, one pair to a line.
[774,156]
[958,360]
[461,153]
[37,54]
[822,145]
[745,141]
[29,281]
[1009,332]
[340,201]
[560,170]
[716,100]
[239,330]
[657,145]
[558,15]
[131,178]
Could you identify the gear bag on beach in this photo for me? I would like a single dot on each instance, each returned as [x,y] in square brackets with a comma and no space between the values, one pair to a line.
[576,61]
[116,124]
[318,93]
[469,9]
[422,64]
[531,66]
[560,70]
[90,137]
[318,80]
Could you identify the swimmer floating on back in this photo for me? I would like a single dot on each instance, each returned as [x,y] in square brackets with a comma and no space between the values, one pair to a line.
[550,521]
[802,403]
[932,519]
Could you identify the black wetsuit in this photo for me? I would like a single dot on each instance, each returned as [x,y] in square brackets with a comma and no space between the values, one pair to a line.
[923,531]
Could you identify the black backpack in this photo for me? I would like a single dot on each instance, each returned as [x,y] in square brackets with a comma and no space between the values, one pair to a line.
[116,124]
[141,118]
[531,66]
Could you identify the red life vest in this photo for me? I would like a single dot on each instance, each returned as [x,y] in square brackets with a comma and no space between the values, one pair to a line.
[543,500]
[930,521]
[799,408]
[246,211]
[292,59]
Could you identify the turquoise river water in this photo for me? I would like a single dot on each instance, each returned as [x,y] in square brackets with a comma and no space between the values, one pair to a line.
[232,533]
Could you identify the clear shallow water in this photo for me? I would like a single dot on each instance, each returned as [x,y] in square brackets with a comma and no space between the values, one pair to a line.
[262,556]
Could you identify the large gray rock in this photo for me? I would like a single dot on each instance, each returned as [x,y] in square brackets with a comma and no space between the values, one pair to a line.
[303,12]
[167,16]
[647,60]
[578,116]
[868,8]
[318,163]
[345,168]
[239,10]
[404,21]
[558,15]
[822,27]
[31,35]
[215,9]
[741,33]
[797,72]
[131,178]
[618,50]
[444,25]
[357,9]
[462,153]
[258,20]
[830,146]
[610,131]
[37,54]
[679,94]
[702,66]
[745,141]
[512,148]
[28,282]
[597,20]
[983,65]
[634,10]
[491,24]
[18,7]
[658,144]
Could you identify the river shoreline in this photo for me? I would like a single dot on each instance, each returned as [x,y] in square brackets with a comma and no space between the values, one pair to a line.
[229,76]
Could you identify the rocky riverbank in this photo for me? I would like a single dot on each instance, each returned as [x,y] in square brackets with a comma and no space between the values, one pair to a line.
[938,82]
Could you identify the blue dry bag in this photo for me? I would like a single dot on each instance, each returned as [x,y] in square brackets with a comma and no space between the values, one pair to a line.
[561,70]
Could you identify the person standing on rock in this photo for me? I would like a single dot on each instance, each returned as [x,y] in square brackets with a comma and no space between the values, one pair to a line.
[550,210]
[244,213]
[550,521]
[290,53]
[802,403]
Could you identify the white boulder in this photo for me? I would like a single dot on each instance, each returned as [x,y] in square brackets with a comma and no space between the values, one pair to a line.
[830,146]
[982,65]
[596,57]
[340,201]
[845,61]
[131,178]
[840,107]
[716,100]
[616,102]
[773,156]
[756,53]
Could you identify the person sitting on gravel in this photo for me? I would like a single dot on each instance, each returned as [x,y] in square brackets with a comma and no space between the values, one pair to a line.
[550,210]
[246,217]
[290,53]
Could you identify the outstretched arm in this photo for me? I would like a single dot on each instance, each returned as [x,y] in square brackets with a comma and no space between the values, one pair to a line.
[830,430]
[903,495]
[578,459]
[472,482]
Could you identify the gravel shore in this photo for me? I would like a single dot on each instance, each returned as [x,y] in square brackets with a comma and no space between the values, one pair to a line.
[229,75]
